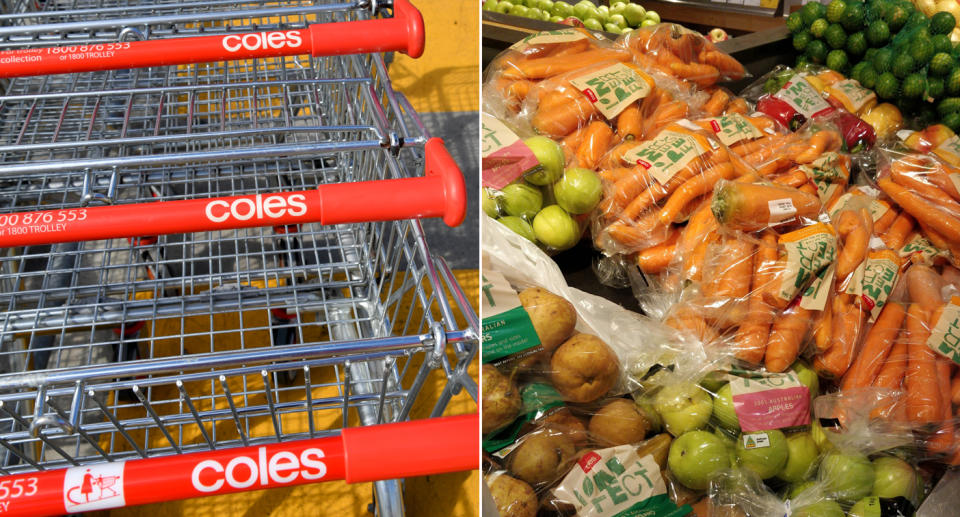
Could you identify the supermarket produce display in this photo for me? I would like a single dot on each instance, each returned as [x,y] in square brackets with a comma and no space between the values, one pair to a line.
[793,248]
[619,16]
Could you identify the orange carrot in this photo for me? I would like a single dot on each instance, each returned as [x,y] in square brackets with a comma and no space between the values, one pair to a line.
[794,177]
[717,102]
[729,66]
[923,395]
[654,260]
[847,321]
[823,330]
[924,284]
[941,441]
[786,337]
[563,119]
[733,277]
[753,333]
[596,142]
[955,389]
[629,122]
[923,210]
[880,225]
[542,68]
[744,206]
[896,236]
[703,75]
[876,347]
[657,192]
[907,178]
[693,188]
[822,141]
[890,378]
[856,242]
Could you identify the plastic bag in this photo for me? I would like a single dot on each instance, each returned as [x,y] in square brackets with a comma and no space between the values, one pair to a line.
[683,53]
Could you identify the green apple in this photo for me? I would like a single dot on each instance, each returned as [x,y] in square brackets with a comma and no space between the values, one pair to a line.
[554,227]
[697,456]
[765,462]
[713,381]
[519,10]
[634,14]
[593,24]
[799,488]
[825,508]
[562,9]
[578,191]
[819,435]
[545,5]
[521,200]
[724,411]
[548,196]
[583,8]
[652,16]
[504,6]
[894,477]
[683,407]
[612,28]
[618,20]
[490,5]
[519,227]
[534,13]
[614,3]
[801,458]
[848,476]
[808,378]
[545,16]
[654,423]
[550,156]
[604,14]
[866,507]
[618,8]
[556,19]
[647,23]
[489,203]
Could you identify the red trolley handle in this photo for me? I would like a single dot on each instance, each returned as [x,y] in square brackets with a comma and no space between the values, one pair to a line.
[359,454]
[439,193]
[402,32]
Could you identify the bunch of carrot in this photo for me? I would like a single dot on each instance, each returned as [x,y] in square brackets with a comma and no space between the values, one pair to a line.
[683,53]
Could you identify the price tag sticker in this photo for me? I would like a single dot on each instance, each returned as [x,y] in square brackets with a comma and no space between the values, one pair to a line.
[611,89]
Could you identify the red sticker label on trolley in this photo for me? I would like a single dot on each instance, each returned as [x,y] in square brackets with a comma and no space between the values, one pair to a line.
[96,487]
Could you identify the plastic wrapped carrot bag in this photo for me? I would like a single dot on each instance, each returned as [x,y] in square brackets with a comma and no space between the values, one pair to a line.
[683,53]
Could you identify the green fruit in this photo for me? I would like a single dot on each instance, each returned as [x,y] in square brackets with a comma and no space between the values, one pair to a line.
[835,10]
[857,71]
[948,105]
[903,65]
[810,12]
[819,27]
[887,86]
[795,22]
[837,60]
[941,64]
[952,121]
[867,507]
[834,36]
[942,23]
[817,51]
[880,8]
[802,61]
[868,78]
[914,86]
[883,60]
[935,87]
[801,458]
[953,82]
[921,50]
[549,154]
[800,41]
[856,44]
[894,478]
[896,18]
[683,407]
[848,476]
[519,227]
[697,456]
[490,205]
[765,461]
[853,17]
[824,508]
[724,410]
[878,33]
[521,200]
[554,227]
[870,53]
[578,191]
[941,43]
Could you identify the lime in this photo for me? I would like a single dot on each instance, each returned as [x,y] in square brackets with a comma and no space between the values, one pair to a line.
[802,61]
[883,60]
[887,86]
[935,87]
[853,16]
[953,82]
[835,10]
[896,18]
[818,27]
[942,23]
[795,22]
[810,12]
[801,40]
[869,55]
[817,51]
[868,78]
[941,64]
[921,50]
[903,65]
[857,71]
[948,105]
[837,60]
[835,36]
[914,86]
[941,43]
[952,121]
[856,44]
[879,8]
[878,33]
[917,20]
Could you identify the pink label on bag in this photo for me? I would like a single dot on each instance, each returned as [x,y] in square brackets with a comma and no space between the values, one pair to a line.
[504,156]
[775,403]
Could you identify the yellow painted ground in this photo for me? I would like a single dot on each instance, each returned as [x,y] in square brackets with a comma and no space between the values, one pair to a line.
[454,494]
[446,77]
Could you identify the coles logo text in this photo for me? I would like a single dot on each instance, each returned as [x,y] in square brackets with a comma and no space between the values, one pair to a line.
[244,472]
[262,40]
[258,207]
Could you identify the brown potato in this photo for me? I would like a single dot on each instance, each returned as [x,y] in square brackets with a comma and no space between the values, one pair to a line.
[563,421]
[500,400]
[540,456]
[514,498]
[658,447]
[619,422]
[553,317]
[584,368]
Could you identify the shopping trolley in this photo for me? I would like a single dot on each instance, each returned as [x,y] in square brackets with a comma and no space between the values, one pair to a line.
[212,273]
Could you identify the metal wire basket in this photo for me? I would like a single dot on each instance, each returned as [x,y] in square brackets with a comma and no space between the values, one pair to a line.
[136,338]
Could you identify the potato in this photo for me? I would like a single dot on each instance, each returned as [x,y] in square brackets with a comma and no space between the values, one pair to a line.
[514,498]
[584,368]
[658,447]
[553,317]
[540,456]
[563,421]
[500,400]
[619,422]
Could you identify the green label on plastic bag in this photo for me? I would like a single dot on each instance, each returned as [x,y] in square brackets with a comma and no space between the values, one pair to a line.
[802,97]
[945,337]
[612,88]
[809,251]
[733,128]
[666,154]
[507,329]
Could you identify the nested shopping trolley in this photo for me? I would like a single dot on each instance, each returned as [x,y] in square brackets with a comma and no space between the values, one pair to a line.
[212,274]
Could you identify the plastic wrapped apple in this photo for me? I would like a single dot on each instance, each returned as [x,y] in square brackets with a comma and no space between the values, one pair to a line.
[697,456]
[578,190]
[550,156]
[521,200]
[683,407]
[519,226]
[554,227]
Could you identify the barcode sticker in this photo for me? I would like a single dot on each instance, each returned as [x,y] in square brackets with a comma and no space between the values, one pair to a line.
[755,441]
[781,209]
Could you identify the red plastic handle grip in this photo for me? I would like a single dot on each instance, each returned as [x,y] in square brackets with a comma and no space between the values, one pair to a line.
[403,32]
[432,446]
